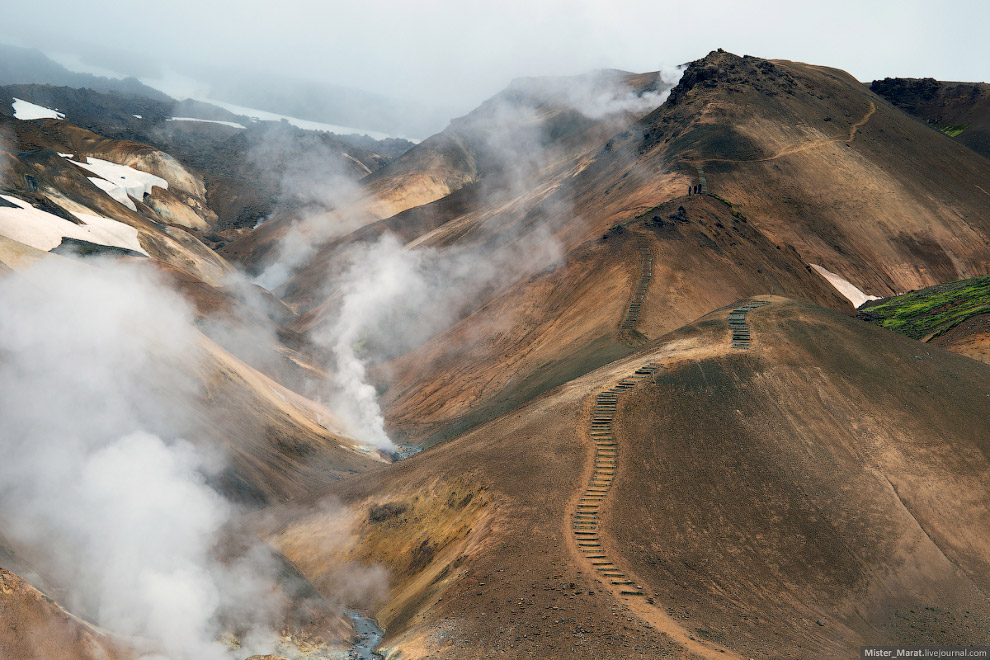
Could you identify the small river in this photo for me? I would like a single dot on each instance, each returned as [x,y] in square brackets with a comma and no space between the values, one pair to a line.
[369,635]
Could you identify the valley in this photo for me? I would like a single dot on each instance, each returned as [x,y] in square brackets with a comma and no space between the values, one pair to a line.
[685,363]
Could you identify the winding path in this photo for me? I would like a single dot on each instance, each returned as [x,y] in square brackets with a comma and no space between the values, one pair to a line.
[807,146]
[584,524]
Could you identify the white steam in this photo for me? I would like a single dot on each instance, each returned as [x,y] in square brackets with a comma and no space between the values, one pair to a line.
[392,299]
[388,298]
[599,101]
[96,483]
[316,180]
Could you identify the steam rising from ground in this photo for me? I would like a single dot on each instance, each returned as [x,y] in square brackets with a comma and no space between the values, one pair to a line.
[597,100]
[315,180]
[96,480]
[390,299]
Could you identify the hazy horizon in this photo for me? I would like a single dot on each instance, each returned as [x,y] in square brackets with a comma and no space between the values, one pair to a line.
[448,57]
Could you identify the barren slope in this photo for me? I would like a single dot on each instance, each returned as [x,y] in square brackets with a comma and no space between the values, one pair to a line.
[825,165]
[561,324]
[958,109]
[823,490]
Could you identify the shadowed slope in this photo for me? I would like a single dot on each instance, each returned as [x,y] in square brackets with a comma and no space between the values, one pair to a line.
[824,490]
[958,109]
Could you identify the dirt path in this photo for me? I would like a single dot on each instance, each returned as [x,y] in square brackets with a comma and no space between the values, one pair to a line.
[862,122]
[584,523]
[807,146]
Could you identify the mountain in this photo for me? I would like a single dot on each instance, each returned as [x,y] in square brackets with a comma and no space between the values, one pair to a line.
[960,110]
[537,128]
[790,499]
[250,169]
[31,66]
[615,312]
[788,147]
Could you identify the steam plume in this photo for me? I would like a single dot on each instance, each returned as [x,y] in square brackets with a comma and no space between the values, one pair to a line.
[96,480]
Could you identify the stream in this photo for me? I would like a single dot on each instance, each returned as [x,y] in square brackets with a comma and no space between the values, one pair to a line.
[369,635]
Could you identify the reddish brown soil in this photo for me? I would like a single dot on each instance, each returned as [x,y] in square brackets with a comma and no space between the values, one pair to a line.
[970,338]
[825,475]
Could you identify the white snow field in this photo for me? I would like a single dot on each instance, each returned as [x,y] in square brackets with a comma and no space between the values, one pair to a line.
[45,231]
[26,110]
[844,286]
[305,124]
[120,181]
[232,124]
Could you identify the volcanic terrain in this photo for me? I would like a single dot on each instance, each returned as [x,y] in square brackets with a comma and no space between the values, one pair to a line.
[611,334]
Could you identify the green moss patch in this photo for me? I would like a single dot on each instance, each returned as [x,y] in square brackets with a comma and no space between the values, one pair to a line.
[952,130]
[931,311]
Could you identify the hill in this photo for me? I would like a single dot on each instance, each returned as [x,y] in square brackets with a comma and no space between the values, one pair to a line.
[531,135]
[249,168]
[960,110]
[955,315]
[823,164]
[636,282]
[31,66]
[793,499]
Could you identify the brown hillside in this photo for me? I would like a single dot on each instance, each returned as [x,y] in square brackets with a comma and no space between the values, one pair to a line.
[816,163]
[515,150]
[823,490]
[34,626]
[566,322]
[825,165]
[960,109]
[970,338]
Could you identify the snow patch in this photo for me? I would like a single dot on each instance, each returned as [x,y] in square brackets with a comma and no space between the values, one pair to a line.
[26,111]
[64,155]
[232,124]
[364,167]
[305,124]
[844,286]
[45,231]
[120,181]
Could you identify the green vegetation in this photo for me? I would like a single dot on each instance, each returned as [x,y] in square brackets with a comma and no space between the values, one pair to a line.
[721,199]
[931,311]
[952,130]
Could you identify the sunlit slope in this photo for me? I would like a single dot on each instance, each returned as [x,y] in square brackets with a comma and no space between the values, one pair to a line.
[53,184]
[34,626]
[822,490]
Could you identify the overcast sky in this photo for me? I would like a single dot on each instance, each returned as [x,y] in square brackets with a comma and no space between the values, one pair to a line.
[457,52]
